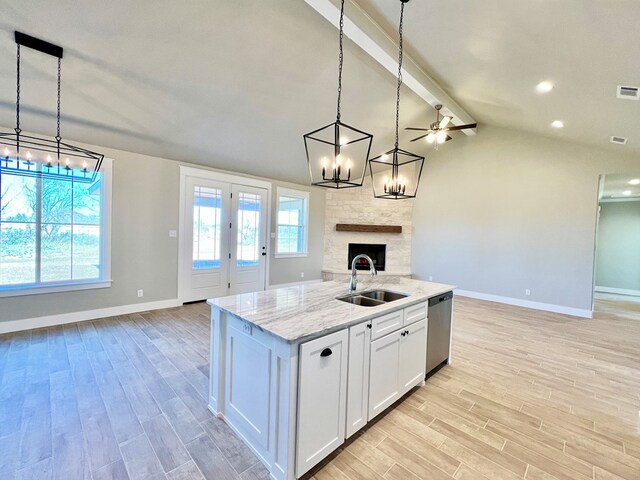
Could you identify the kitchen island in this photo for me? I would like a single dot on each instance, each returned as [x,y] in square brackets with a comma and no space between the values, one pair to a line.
[295,371]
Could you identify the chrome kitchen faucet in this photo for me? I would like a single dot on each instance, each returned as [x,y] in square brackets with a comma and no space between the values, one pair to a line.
[353,283]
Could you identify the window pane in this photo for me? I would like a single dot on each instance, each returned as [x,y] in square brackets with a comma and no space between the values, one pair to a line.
[248,249]
[18,203]
[57,200]
[55,263]
[86,203]
[17,253]
[207,218]
[290,210]
[290,239]
[86,252]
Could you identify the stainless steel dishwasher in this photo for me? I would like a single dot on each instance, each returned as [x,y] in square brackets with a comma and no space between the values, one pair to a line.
[439,330]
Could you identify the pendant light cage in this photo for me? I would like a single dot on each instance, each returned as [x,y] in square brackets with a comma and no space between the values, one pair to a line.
[45,157]
[337,154]
[395,175]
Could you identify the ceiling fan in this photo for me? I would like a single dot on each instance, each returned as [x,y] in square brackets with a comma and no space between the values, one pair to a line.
[438,132]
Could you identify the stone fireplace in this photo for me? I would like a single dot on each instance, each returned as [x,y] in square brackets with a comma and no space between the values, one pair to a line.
[358,206]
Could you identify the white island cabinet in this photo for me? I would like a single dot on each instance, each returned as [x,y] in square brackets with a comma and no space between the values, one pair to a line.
[295,371]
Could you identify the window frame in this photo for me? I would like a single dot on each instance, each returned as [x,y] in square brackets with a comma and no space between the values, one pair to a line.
[105,280]
[304,195]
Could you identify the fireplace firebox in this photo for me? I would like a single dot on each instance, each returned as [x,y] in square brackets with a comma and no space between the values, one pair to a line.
[376,251]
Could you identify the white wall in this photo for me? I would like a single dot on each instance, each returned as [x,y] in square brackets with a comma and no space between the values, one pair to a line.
[506,211]
[618,247]
[145,208]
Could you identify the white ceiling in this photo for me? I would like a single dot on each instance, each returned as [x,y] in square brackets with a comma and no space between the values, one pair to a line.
[235,84]
[490,54]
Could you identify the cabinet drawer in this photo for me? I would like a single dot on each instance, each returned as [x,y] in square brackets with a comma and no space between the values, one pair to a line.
[386,324]
[415,313]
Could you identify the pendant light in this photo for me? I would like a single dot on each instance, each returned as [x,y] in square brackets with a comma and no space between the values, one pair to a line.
[395,174]
[31,156]
[337,153]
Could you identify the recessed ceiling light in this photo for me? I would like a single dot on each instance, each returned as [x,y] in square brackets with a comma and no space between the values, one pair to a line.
[544,87]
[627,192]
[635,181]
[557,124]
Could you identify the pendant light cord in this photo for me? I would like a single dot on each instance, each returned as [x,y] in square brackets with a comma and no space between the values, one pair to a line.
[18,90]
[399,72]
[58,137]
[340,59]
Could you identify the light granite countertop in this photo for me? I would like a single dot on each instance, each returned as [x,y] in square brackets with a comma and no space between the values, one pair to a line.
[301,312]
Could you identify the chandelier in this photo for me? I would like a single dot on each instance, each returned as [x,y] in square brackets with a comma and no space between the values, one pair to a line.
[34,156]
[337,153]
[396,173]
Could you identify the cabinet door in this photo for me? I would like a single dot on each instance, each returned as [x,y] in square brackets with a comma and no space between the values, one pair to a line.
[413,355]
[322,384]
[358,377]
[384,383]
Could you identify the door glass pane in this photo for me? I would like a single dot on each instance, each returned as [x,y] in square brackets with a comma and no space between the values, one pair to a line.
[248,244]
[207,228]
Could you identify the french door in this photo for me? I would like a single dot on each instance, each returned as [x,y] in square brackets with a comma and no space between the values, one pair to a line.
[224,239]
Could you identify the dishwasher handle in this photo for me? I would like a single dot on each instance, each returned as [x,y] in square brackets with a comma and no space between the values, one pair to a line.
[440,298]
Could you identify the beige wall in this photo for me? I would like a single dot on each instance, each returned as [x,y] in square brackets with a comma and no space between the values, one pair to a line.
[145,208]
[288,270]
[618,247]
[506,211]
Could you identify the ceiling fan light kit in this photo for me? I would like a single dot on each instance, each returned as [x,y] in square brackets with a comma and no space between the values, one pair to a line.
[438,132]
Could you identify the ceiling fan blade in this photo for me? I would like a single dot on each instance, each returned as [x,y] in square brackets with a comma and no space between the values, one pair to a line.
[448,138]
[444,122]
[461,127]
[421,136]
[419,129]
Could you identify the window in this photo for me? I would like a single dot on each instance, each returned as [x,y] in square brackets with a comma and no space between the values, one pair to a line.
[53,234]
[293,216]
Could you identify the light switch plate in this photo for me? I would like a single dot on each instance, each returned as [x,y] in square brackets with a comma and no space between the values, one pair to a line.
[173,233]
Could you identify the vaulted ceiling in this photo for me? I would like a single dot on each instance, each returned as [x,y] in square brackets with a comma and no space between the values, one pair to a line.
[234,85]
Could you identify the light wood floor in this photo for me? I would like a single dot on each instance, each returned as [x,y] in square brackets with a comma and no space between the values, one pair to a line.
[530,395]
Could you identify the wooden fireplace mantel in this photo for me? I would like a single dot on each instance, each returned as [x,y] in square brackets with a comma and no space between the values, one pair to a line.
[352,227]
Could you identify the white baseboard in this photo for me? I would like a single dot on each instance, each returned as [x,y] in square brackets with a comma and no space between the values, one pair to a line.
[293,284]
[619,291]
[547,307]
[61,319]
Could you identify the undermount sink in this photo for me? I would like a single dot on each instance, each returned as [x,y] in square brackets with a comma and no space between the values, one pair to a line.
[372,298]
[384,295]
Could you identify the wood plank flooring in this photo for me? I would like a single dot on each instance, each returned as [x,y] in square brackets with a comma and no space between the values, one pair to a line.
[530,395]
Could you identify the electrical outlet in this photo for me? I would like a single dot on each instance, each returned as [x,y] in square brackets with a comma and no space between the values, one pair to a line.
[173,233]
[301,274]
[430,278]
[140,293]
[527,292]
